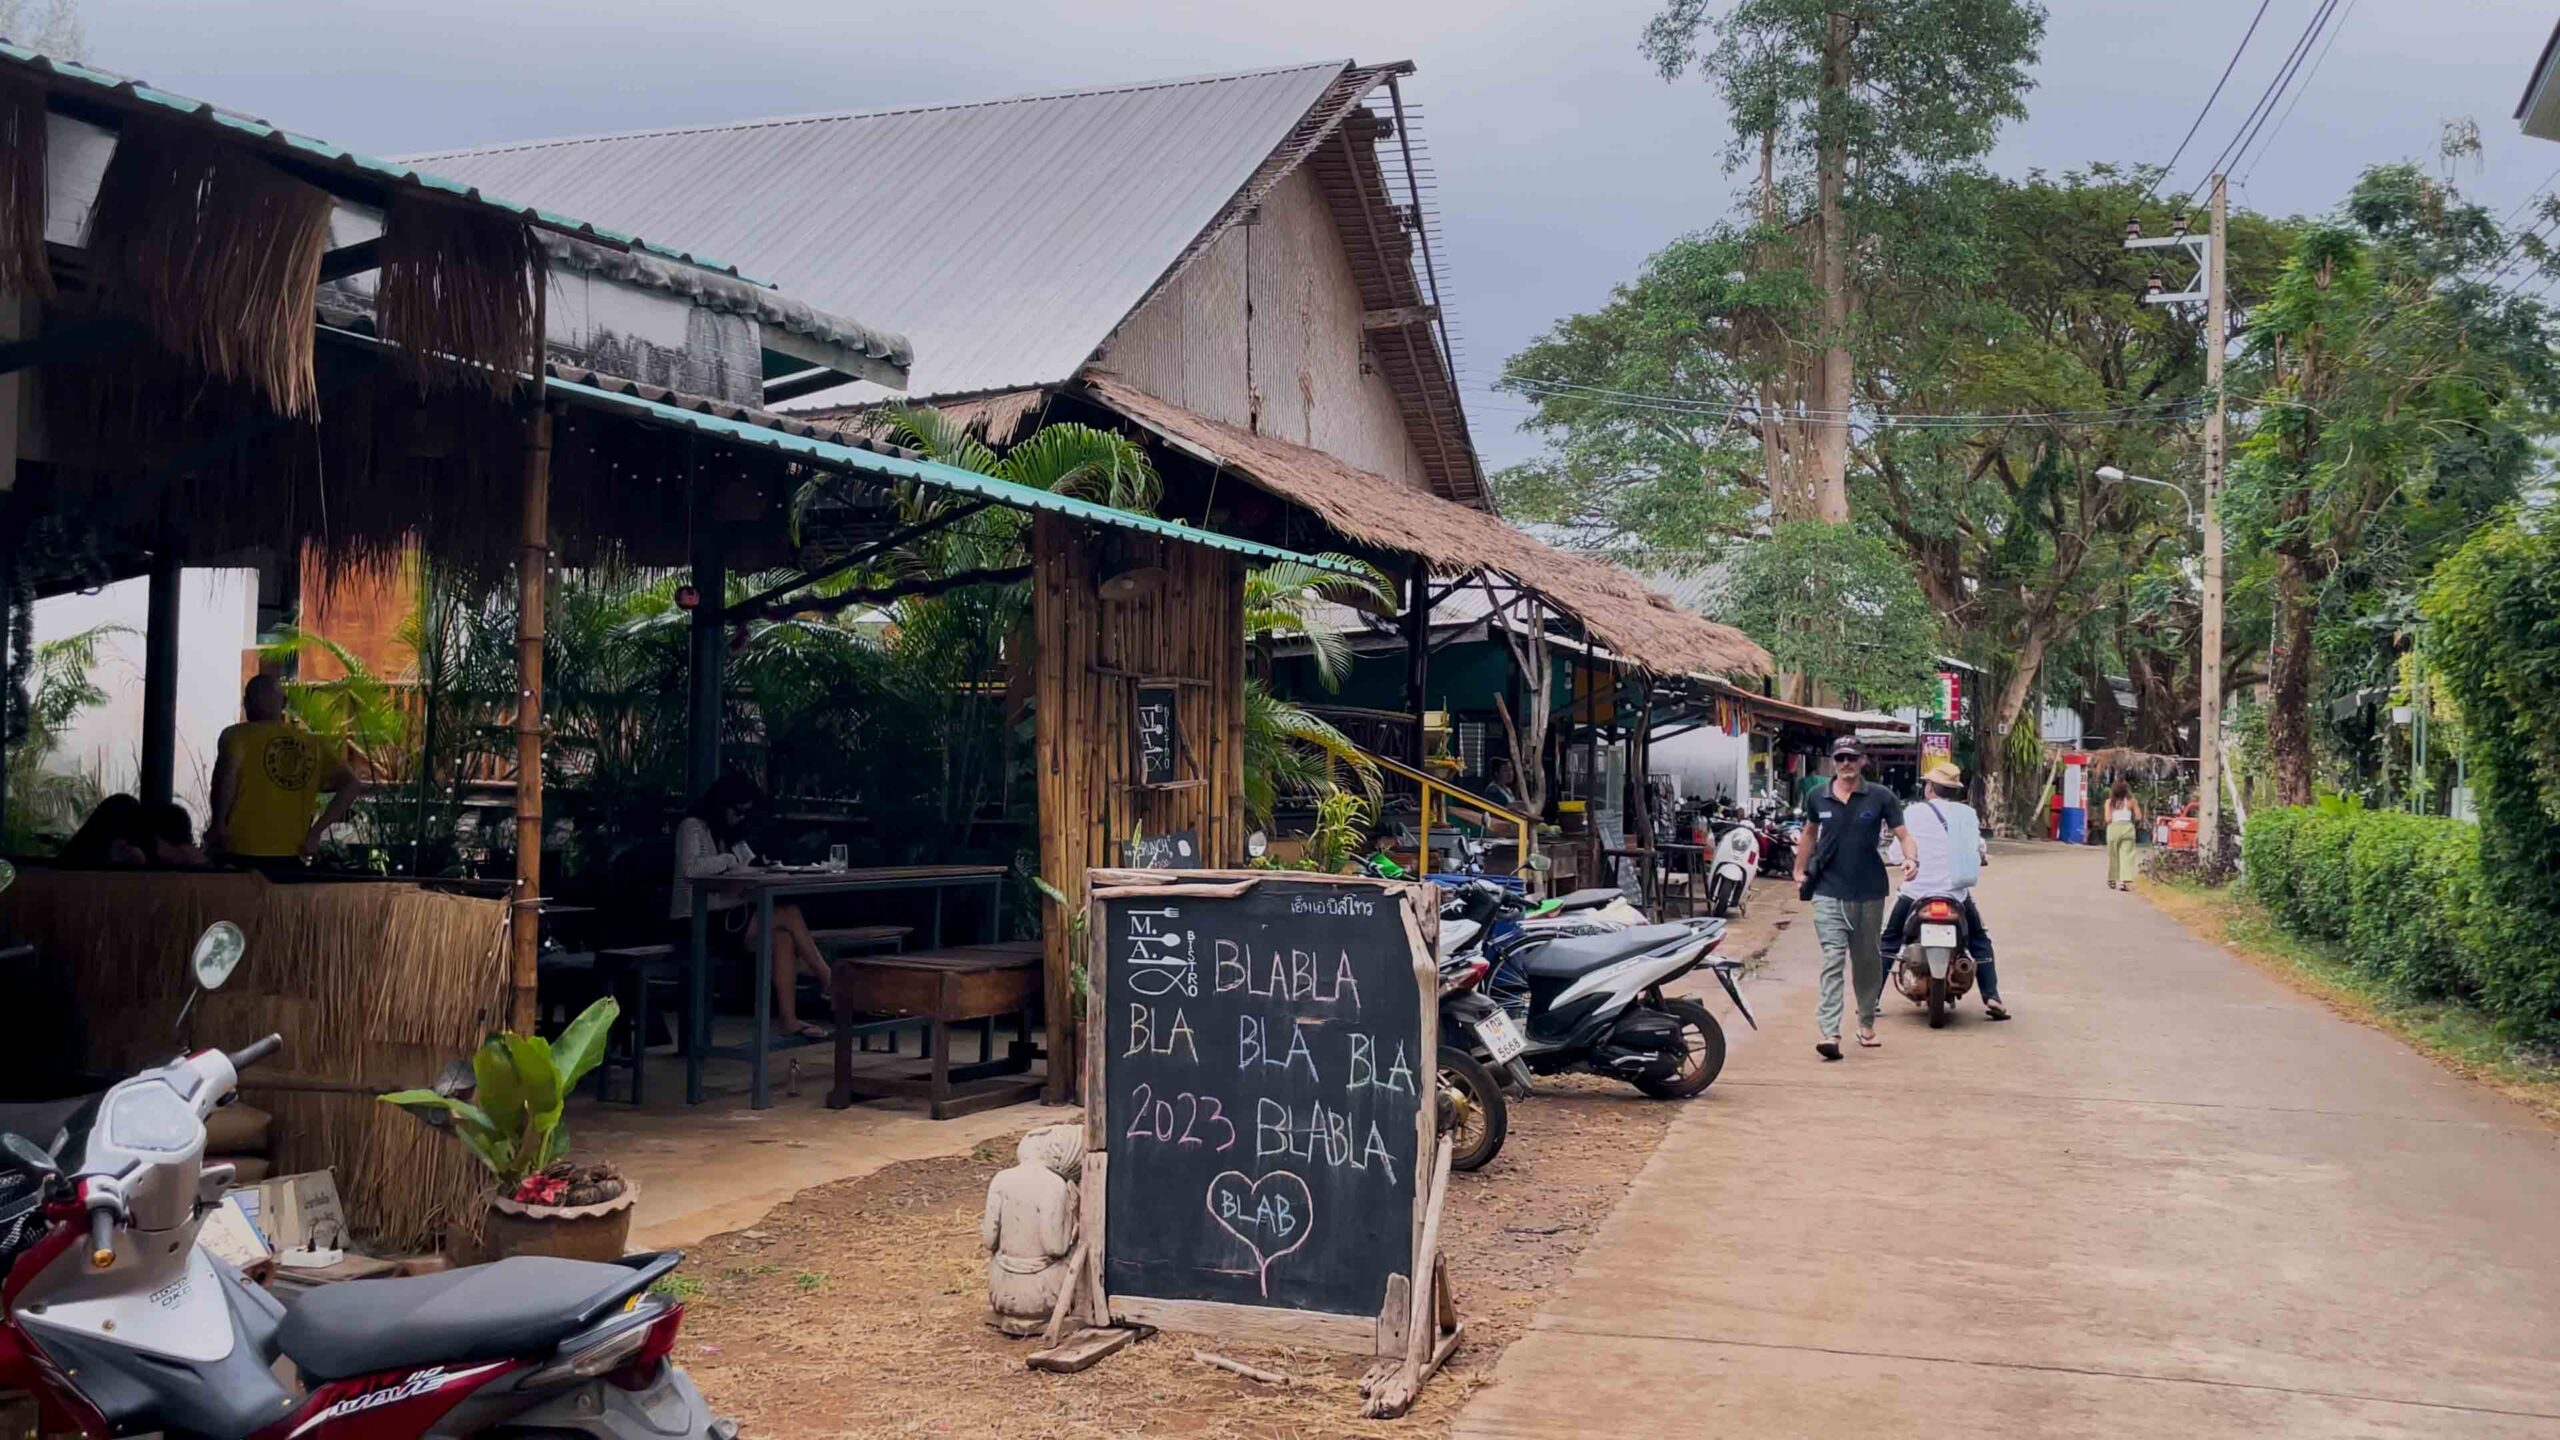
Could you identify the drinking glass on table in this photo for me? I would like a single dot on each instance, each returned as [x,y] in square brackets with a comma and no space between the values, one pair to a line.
[838,857]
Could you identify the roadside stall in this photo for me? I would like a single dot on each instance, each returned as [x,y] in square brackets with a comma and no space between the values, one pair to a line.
[181,392]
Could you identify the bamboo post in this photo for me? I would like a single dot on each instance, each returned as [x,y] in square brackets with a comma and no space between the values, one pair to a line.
[532,563]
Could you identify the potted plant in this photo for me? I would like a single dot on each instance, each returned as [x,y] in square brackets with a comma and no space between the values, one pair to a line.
[509,1116]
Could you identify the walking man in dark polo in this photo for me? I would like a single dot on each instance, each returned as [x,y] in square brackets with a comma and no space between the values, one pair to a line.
[1840,867]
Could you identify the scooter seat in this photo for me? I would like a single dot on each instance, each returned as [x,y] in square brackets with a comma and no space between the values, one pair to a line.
[1591,899]
[518,1306]
[1578,955]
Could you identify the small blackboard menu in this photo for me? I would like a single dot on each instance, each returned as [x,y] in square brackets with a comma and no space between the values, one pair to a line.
[1159,734]
[1261,1084]
[1176,850]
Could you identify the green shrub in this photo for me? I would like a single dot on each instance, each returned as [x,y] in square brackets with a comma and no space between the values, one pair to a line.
[2407,900]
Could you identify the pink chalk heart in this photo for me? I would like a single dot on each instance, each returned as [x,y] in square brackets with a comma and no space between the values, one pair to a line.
[1271,1216]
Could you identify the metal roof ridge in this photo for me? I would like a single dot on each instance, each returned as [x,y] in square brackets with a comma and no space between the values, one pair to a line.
[825,117]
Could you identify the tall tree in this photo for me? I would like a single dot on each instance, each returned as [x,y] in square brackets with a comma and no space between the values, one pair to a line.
[1849,109]
[2397,396]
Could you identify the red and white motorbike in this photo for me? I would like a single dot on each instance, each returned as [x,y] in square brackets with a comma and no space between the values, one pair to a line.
[114,1322]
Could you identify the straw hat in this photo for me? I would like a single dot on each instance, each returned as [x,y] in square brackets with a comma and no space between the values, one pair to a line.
[1944,773]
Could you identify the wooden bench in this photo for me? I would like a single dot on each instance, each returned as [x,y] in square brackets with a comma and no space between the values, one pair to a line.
[942,988]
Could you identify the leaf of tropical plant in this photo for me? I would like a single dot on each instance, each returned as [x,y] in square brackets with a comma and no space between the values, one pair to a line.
[497,1088]
[582,1044]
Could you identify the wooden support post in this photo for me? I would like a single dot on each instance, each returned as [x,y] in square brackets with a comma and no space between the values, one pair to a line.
[1417,640]
[706,676]
[533,562]
[160,678]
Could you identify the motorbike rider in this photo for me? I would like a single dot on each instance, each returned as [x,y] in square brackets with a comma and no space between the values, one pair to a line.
[1946,842]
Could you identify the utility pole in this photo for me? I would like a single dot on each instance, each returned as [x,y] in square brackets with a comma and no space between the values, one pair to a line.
[2217,337]
[2207,286]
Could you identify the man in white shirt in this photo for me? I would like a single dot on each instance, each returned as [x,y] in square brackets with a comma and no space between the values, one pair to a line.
[1947,843]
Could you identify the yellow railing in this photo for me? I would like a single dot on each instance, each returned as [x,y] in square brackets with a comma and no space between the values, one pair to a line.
[1432,786]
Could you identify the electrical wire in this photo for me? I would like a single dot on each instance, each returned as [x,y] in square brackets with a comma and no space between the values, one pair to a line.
[2276,87]
[2312,74]
[2234,64]
[2138,414]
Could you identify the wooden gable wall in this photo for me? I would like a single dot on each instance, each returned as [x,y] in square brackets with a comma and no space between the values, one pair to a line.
[1264,331]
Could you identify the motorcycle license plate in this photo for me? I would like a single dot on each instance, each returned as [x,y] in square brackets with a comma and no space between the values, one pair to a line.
[1938,937]
[1501,1038]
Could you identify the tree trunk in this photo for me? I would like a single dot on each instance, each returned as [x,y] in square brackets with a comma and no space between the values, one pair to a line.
[1835,391]
[2007,705]
[2289,678]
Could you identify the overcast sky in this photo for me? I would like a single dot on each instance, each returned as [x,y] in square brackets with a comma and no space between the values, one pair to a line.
[1563,159]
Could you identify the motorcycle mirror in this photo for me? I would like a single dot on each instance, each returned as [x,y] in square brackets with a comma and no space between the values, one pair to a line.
[1257,845]
[8,874]
[1541,864]
[30,1157]
[218,952]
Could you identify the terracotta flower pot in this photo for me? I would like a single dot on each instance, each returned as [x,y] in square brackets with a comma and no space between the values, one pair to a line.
[597,1232]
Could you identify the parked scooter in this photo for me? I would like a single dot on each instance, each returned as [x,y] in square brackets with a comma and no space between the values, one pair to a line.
[1737,859]
[117,1323]
[1476,1040]
[1936,969]
[1594,1000]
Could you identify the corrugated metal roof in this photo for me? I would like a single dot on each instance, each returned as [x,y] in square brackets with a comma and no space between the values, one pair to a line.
[1005,238]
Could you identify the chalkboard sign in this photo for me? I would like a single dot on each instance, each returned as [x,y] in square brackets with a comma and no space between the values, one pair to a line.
[1159,733]
[1179,850]
[1262,1087]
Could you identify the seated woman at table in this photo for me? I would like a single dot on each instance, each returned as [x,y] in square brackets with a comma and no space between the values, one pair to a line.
[170,833]
[113,834]
[711,842]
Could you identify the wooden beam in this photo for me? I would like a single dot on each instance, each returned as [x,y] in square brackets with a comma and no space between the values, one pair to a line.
[1398,317]
[533,561]
[349,260]
[76,341]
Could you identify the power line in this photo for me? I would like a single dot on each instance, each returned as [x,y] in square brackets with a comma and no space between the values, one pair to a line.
[2304,87]
[1682,405]
[2234,64]
[2258,113]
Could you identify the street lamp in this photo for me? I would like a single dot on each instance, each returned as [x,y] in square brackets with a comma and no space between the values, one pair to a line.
[2113,475]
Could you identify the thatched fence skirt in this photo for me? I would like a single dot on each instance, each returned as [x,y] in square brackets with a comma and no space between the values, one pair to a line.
[372,986]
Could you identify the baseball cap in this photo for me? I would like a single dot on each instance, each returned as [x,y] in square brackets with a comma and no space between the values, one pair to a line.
[1847,745]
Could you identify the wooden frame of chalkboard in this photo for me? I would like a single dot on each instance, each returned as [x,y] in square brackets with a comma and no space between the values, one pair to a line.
[1359,1312]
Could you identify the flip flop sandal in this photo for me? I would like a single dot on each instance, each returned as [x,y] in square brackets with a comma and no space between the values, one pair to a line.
[1828,1049]
[1998,1012]
[1868,1041]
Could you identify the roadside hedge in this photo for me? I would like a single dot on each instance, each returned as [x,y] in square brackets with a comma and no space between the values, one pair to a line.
[2403,896]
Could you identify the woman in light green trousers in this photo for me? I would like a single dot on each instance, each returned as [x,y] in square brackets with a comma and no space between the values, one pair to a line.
[2124,821]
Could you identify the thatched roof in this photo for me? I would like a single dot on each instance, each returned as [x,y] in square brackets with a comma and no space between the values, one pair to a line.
[1640,625]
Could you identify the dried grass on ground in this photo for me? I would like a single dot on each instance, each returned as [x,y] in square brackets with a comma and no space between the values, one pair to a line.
[859,1308]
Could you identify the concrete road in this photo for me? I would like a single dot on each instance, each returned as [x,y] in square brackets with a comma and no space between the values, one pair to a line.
[2171,1198]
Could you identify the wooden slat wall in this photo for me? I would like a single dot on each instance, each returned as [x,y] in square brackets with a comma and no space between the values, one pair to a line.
[1190,627]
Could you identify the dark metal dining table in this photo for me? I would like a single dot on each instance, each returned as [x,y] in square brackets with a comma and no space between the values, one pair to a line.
[765,886]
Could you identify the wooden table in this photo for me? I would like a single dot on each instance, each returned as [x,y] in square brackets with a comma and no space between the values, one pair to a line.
[764,886]
[943,988]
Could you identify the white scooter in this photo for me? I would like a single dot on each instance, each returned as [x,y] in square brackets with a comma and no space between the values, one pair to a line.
[1737,859]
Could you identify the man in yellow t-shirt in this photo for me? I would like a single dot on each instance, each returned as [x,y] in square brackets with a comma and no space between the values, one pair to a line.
[268,776]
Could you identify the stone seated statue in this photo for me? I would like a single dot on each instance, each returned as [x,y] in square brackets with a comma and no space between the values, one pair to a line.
[1029,1228]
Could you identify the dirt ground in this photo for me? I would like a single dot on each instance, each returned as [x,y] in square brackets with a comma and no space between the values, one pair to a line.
[858,1308]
